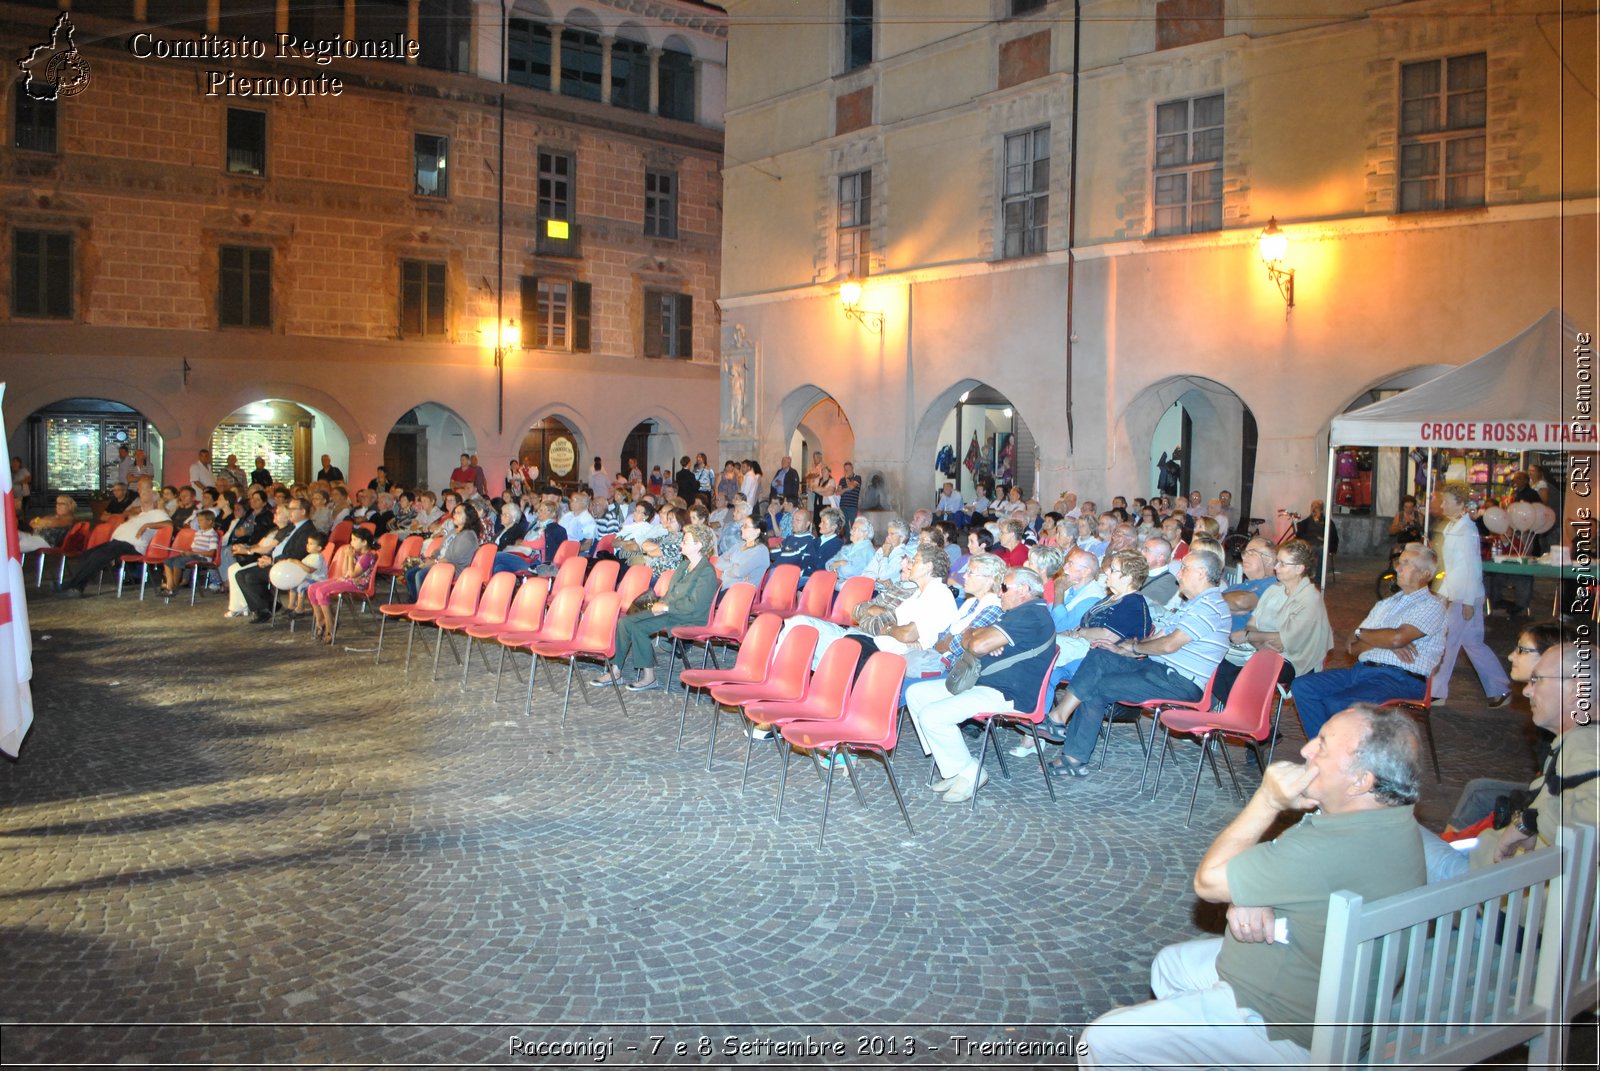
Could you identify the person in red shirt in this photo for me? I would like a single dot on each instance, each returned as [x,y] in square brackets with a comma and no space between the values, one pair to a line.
[1012,550]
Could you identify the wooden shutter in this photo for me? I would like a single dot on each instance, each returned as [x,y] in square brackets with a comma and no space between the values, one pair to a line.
[652,323]
[580,317]
[685,323]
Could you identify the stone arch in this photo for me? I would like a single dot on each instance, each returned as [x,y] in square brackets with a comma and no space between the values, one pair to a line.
[1221,443]
[423,451]
[1391,471]
[26,402]
[311,397]
[582,434]
[292,455]
[934,429]
[69,442]
[819,413]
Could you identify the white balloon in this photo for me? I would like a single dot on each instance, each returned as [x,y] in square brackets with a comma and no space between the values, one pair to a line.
[286,576]
[1546,518]
[1522,516]
[1495,519]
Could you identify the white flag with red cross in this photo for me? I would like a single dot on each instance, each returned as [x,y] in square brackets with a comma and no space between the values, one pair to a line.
[16,645]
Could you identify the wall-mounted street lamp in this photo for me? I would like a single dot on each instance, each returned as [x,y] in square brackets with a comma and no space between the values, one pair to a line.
[505,336]
[850,300]
[1273,245]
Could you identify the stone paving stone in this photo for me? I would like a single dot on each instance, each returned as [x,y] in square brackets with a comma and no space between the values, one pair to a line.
[227,829]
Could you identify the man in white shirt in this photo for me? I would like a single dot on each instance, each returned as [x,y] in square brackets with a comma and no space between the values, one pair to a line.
[578,522]
[1462,592]
[132,536]
[599,485]
[200,474]
[949,502]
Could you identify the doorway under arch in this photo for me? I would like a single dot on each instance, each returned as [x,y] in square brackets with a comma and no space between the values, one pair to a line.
[815,423]
[972,433]
[289,436]
[425,445]
[72,446]
[651,442]
[1202,431]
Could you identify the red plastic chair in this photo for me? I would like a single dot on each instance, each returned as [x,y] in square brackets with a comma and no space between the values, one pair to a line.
[1421,710]
[602,578]
[209,563]
[751,666]
[433,595]
[1153,707]
[727,627]
[570,573]
[596,637]
[868,724]
[1247,714]
[663,582]
[566,552]
[781,593]
[182,543]
[786,679]
[525,615]
[463,602]
[75,542]
[493,605]
[635,582]
[340,536]
[1027,722]
[99,536]
[560,623]
[159,550]
[856,590]
[816,597]
[607,544]
[410,547]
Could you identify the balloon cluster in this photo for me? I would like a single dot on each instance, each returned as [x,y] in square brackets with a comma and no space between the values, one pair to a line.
[1519,522]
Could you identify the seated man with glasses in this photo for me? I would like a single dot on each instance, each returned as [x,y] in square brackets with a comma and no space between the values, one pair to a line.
[1258,562]
[254,584]
[1397,648]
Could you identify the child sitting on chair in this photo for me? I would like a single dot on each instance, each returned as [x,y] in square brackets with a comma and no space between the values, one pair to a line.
[201,552]
[316,566]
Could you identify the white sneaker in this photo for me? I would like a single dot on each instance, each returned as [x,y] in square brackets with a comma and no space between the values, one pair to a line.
[1022,750]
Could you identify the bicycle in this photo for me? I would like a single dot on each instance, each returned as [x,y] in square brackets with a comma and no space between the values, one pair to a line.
[1235,543]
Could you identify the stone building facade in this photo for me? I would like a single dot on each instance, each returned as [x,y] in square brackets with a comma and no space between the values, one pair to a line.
[188,238]
[1058,247]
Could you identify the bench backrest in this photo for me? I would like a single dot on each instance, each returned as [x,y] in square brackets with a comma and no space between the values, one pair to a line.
[1468,976]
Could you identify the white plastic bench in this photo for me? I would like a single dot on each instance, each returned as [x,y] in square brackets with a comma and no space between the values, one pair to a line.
[1461,995]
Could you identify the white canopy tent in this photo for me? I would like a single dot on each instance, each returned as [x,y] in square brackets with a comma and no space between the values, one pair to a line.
[1508,399]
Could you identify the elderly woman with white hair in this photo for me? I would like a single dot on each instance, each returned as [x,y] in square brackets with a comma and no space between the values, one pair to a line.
[885,564]
[853,558]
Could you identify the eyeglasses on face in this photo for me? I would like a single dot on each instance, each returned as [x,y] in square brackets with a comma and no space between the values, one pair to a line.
[1526,650]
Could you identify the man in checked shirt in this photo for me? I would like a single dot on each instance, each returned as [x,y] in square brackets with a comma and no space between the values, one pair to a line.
[1397,648]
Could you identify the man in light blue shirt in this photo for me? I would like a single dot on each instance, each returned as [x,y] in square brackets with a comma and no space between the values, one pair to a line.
[853,558]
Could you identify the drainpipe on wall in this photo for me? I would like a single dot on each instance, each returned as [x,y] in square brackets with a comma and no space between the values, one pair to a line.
[1072,199]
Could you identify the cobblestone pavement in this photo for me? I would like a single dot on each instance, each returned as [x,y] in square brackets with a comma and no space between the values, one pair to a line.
[228,830]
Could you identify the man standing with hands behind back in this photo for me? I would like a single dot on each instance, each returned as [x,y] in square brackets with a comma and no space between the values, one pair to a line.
[1259,981]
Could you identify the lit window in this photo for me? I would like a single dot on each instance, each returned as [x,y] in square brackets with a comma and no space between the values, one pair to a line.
[1188,165]
[247,142]
[1443,115]
[430,158]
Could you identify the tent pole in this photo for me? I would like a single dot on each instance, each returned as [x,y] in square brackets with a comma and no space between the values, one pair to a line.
[1327,514]
[1427,507]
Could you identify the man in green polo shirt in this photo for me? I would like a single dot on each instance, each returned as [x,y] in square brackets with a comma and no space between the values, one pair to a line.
[1248,999]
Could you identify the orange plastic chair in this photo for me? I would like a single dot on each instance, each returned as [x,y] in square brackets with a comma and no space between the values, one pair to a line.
[595,637]
[602,578]
[340,536]
[781,593]
[823,699]
[560,623]
[1028,722]
[751,666]
[182,543]
[815,597]
[72,544]
[463,602]
[526,615]
[1247,714]
[569,574]
[856,590]
[1151,706]
[635,582]
[410,547]
[566,552]
[194,580]
[868,724]
[607,544]
[727,627]
[786,679]
[493,605]
[663,582]
[434,594]
[483,560]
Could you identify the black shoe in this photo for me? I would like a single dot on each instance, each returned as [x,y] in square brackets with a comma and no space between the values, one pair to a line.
[263,617]
[1500,700]
[69,593]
